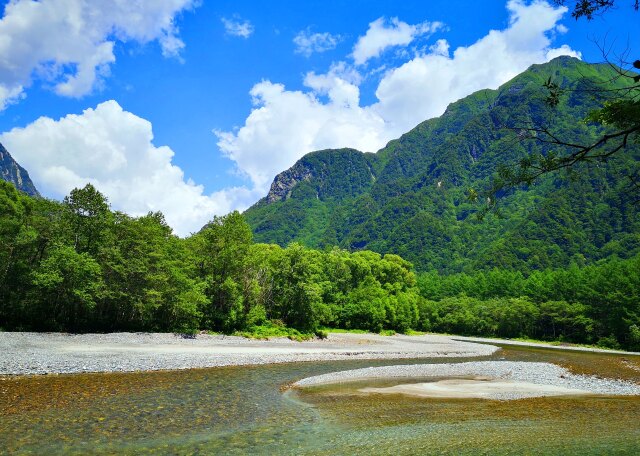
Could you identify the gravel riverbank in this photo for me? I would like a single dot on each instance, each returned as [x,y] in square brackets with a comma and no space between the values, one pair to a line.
[513,373]
[519,343]
[56,353]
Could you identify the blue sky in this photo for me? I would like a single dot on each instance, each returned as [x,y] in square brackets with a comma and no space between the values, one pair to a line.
[193,107]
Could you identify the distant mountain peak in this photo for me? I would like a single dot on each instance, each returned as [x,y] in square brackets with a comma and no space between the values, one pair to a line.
[329,173]
[11,171]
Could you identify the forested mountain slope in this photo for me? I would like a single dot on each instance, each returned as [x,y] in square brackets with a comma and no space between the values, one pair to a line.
[410,198]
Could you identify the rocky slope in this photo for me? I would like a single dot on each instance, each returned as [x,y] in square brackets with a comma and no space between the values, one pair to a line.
[11,171]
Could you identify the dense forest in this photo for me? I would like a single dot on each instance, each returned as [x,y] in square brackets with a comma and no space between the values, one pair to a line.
[595,304]
[79,266]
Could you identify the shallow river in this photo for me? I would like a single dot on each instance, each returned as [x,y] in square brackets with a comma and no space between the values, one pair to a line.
[250,410]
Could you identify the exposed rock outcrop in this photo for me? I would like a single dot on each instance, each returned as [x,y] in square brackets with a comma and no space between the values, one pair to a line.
[285,182]
[11,171]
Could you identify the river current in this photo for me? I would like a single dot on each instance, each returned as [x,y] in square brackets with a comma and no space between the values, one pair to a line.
[251,410]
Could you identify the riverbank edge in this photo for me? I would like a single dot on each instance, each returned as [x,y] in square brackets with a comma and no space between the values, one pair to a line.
[61,353]
[32,354]
[521,343]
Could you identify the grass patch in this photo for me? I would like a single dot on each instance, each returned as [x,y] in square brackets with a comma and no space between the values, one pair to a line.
[559,343]
[344,331]
[270,329]
[384,332]
[411,332]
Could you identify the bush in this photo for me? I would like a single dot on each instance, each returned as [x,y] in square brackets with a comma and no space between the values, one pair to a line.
[274,328]
[608,342]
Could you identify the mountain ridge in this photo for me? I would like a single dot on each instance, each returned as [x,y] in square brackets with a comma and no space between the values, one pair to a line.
[417,183]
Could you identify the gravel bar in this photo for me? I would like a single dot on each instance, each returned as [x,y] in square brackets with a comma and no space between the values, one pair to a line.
[23,353]
[530,372]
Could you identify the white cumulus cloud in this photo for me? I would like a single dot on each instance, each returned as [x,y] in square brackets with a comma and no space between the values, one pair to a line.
[69,43]
[383,34]
[423,87]
[237,27]
[308,43]
[113,150]
[285,124]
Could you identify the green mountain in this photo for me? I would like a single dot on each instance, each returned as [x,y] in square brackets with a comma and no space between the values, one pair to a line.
[11,171]
[410,198]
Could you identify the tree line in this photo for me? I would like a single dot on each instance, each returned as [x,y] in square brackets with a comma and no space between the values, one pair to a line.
[78,266]
[594,304]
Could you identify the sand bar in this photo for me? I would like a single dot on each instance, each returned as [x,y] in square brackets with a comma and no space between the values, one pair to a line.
[458,388]
[502,380]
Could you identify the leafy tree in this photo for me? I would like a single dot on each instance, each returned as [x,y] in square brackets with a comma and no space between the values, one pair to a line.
[298,293]
[402,311]
[565,321]
[149,281]
[13,210]
[589,8]
[88,217]
[68,286]
[365,307]
[226,243]
[16,243]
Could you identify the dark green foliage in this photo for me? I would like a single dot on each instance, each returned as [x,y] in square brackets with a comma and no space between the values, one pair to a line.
[590,8]
[87,216]
[561,263]
[598,303]
[418,205]
[224,251]
[66,285]
[508,318]
[364,308]
[78,266]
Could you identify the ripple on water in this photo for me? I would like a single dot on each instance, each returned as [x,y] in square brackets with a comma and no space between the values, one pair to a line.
[242,410]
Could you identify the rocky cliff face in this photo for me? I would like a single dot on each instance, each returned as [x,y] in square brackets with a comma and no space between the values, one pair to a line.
[324,174]
[284,182]
[11,171]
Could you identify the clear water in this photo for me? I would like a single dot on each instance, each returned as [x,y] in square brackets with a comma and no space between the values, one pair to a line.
[250,410]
